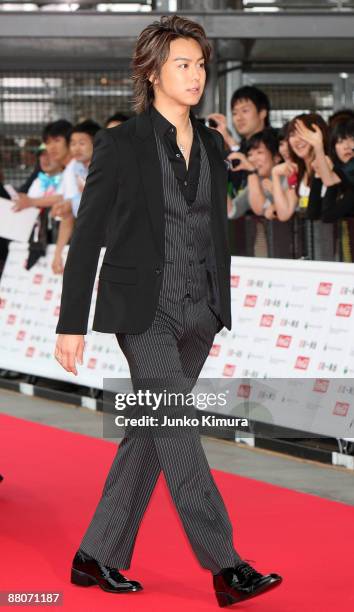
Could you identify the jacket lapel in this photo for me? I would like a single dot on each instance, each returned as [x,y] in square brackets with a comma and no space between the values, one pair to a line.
[151,176]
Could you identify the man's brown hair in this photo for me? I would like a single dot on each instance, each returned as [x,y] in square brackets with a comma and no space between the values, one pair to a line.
[152,49]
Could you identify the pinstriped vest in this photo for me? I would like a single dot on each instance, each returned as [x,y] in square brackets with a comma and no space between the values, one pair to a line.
[187,232]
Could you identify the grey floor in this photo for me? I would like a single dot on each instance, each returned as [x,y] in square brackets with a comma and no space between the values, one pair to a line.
[306,476]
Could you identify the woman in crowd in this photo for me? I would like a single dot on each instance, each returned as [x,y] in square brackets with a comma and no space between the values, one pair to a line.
[338,203]
[307,135]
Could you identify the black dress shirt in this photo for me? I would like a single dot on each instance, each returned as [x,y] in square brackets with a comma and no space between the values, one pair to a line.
[187,178]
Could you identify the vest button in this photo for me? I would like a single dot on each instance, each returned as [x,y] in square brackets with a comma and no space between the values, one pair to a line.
[158,271]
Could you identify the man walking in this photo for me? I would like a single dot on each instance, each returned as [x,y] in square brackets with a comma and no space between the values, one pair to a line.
[156,197]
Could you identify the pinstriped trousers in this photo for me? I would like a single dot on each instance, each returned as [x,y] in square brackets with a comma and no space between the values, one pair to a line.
[176,347]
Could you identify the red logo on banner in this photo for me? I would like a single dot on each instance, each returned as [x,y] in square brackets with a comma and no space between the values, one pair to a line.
[250,301]
[30,351]
[48,294]
[302,363]
[234,280]
[37,279]
[56,311]
[266,321]
[2,303]
[321,385]
[215,350]
[344,310]
[244,391]
[92,363]
[11,319]
[229,369]
[283,341]
[324,289]
[341,409]
[20,335]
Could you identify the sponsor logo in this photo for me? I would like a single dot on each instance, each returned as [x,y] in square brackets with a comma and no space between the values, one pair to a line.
[2,303]
[229,369]
[341,409]
[37,279]
[11,319]
[321,385]
[266,320]
[20,335]
[283,341]
[250,301]
[56,311]
[324,289]
[215,350]
[344,310]
[48,294]
[244,391]
[234,280]
[302,363]
[30,351]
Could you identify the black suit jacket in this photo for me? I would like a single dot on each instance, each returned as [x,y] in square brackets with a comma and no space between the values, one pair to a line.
[122,208]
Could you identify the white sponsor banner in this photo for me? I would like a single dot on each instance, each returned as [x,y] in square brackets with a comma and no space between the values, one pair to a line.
[291,319]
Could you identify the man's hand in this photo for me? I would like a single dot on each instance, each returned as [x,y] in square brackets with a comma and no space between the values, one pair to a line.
[69,349]
[61,209]
[22,201]
[57,264]
[222,128]
[244,164]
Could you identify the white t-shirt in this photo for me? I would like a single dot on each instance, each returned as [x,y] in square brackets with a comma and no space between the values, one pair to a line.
[74,176]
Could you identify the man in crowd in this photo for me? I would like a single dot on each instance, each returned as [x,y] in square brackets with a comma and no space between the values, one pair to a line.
[75,173]
[250,109]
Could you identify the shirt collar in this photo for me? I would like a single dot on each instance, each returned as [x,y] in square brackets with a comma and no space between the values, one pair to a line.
[163,126]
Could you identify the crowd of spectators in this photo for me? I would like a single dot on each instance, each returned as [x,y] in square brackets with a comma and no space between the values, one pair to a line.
[294,185]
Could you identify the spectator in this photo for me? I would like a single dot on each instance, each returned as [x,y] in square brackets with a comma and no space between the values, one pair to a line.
[339,199]
[262,155]
[45,185]
[250,109]
[81,149]
[299,170]
[56,137]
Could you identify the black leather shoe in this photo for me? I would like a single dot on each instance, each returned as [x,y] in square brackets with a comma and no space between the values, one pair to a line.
[86,571]
[238,583]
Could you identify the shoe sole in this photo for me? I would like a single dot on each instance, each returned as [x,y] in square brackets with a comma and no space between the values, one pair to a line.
[84,580]
[225,599]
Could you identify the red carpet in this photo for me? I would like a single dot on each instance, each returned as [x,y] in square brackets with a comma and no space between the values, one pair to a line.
[53,480]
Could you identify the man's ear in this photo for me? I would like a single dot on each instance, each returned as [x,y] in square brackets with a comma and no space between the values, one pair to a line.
[263,114]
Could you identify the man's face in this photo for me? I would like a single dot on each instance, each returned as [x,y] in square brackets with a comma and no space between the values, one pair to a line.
[48,164]
[182,77]
[81,147]
[246,118]
[57,148]
[262,159]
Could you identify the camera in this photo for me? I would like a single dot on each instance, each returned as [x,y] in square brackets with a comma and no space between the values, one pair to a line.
[209,122]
